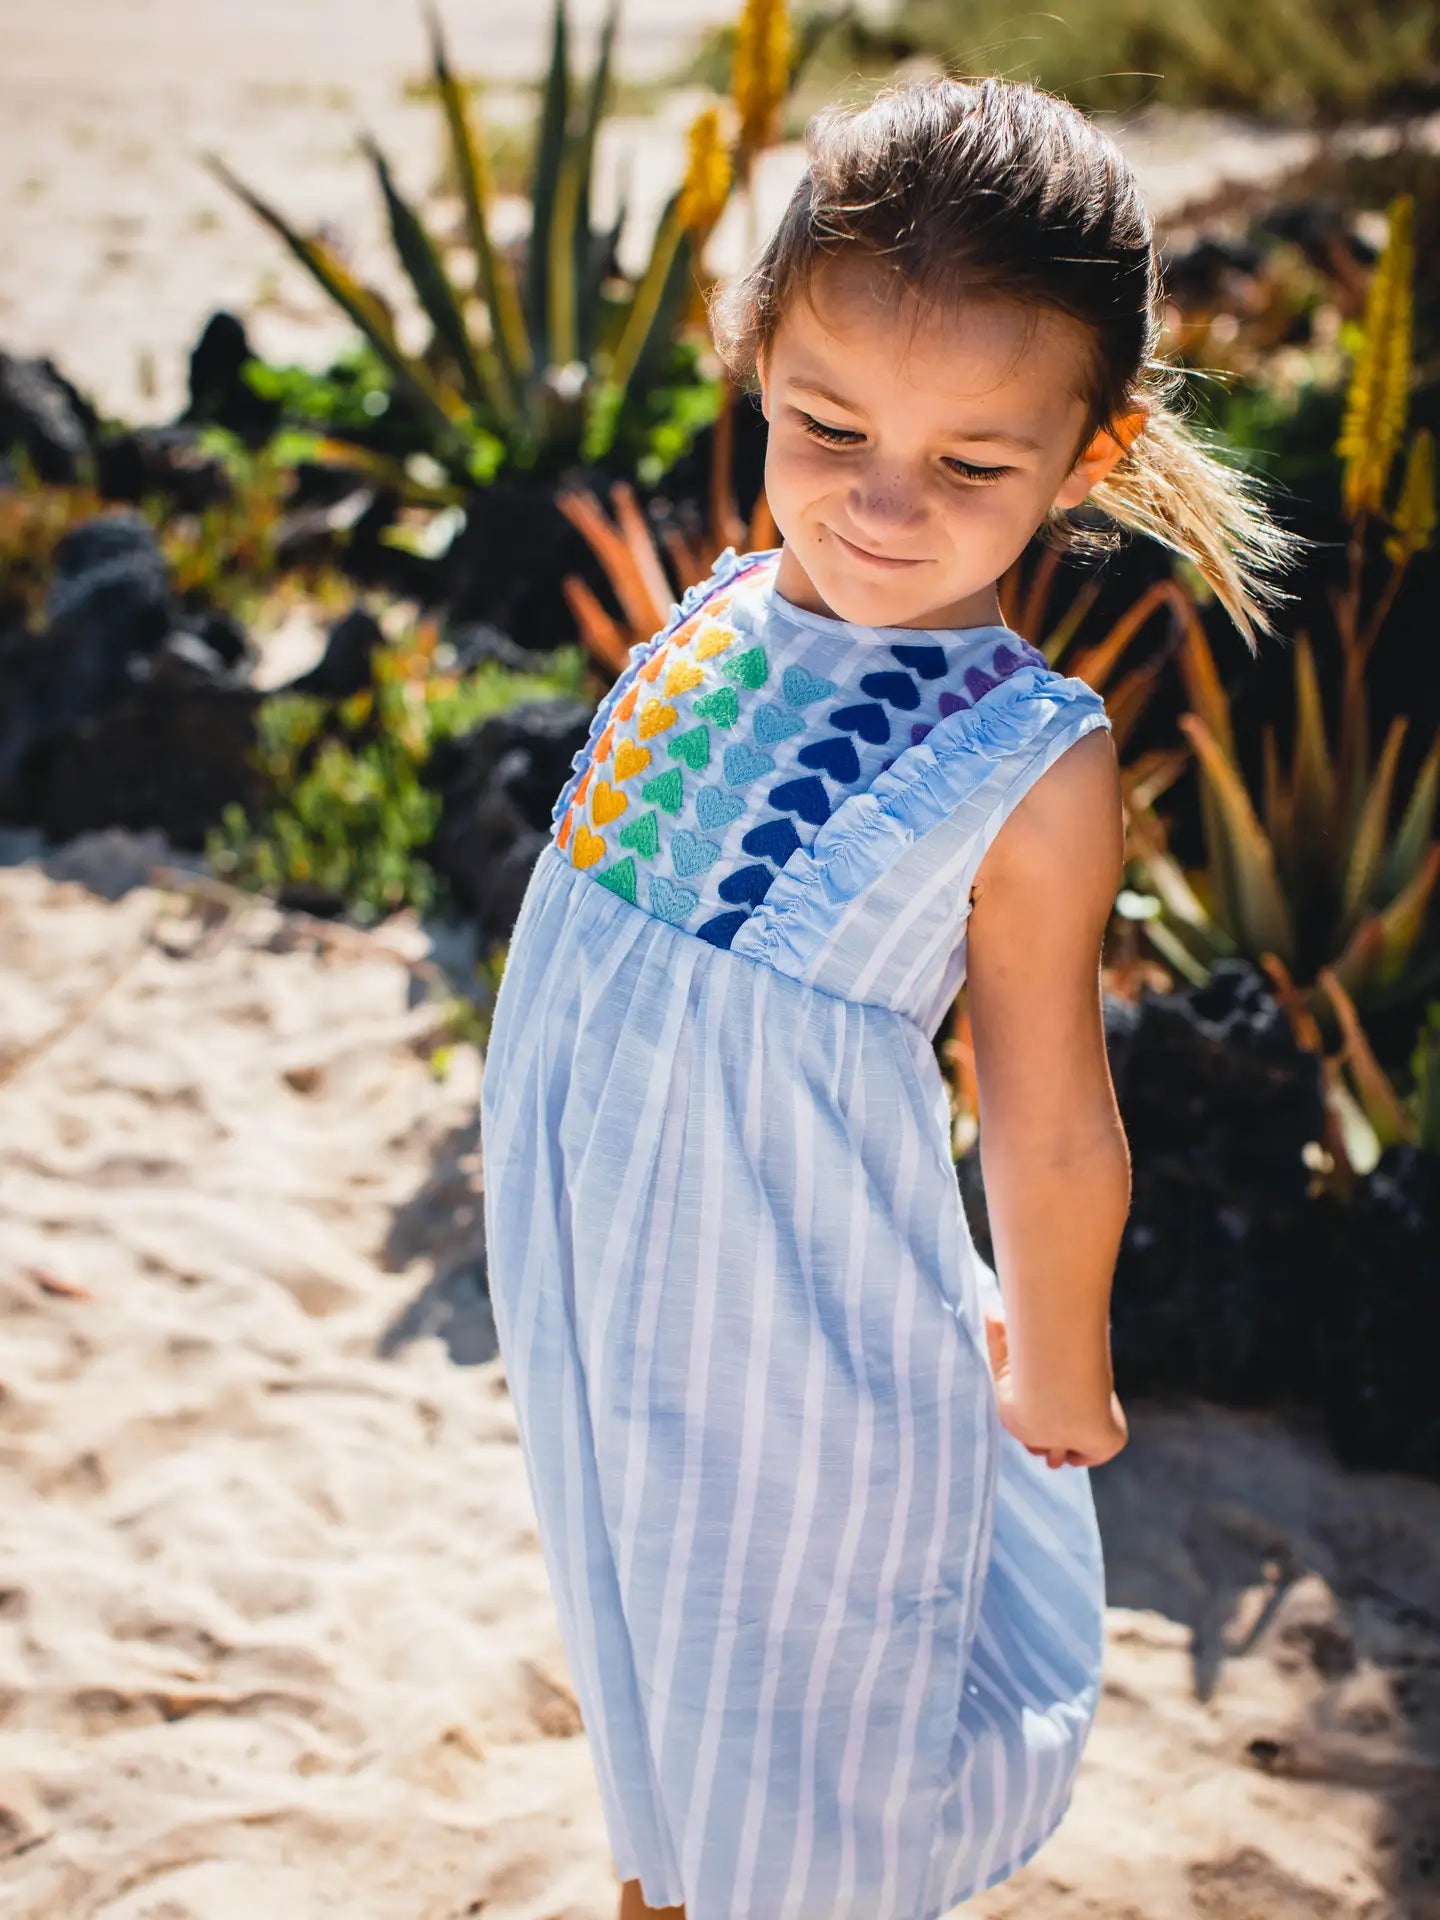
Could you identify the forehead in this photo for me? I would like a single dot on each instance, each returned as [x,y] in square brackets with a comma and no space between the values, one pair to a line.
[861,335]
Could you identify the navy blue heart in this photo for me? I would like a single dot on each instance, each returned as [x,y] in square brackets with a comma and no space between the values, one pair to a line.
[868,721]
[773,840]
[928,662]
[722,929]
[806,797]
[749,884]
[898,688]
[835,756]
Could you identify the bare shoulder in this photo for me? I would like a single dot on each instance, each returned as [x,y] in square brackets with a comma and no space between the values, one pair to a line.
[1064,839]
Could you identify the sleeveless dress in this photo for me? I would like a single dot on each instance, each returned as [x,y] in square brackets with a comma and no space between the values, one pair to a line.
[835,1635]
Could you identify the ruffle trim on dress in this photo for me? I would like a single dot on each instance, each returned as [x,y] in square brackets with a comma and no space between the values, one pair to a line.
[726,567]
[869,831]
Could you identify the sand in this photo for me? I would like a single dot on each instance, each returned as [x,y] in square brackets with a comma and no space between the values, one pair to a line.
[275,1632]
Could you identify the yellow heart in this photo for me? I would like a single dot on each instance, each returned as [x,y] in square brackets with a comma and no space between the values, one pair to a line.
[605,803]
[655,717]
[683,675]
[630,759]
[715,641]
[588,847]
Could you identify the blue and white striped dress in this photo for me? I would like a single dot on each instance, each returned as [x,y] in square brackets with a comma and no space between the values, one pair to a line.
[835,1635]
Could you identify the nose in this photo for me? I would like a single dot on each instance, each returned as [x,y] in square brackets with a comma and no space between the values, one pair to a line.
[883,511]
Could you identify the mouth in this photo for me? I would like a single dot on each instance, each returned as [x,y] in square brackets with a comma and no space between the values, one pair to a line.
[873,559]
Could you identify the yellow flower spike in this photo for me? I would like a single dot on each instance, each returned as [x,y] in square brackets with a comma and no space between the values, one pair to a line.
[1414,515]
[707,174]
[762,69]
[1378,394]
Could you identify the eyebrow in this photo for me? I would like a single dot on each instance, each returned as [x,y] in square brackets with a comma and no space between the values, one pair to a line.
[965,434]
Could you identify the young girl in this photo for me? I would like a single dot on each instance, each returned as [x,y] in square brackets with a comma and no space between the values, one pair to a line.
[811,1483]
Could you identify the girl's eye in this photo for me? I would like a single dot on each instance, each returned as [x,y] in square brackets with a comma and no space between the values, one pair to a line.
[842,436]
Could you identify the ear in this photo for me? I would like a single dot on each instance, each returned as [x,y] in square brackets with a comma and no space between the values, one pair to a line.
[1105,450]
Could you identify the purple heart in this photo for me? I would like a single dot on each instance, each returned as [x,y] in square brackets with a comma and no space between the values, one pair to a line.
[978,682]
[952,703]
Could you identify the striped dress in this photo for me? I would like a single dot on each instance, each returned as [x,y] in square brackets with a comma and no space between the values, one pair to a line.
[835,1635]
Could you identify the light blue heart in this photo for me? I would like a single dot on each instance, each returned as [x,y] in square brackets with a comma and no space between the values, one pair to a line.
[744,763]
[670,902]
[716,808]
[773,723]
[691,853]
[799,688]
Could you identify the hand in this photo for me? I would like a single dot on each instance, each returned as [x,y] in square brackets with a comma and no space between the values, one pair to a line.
[1064,1442]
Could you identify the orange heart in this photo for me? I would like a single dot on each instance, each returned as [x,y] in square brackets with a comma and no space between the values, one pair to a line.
[606,803]
[630,759]
[683,675]
[588,846]
[625,705]
[563,836]
[604,743]
[653,665]
[655,717]
[584,782]
[715,641]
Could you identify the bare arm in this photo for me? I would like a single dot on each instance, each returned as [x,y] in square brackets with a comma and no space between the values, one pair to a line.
[1053,1152]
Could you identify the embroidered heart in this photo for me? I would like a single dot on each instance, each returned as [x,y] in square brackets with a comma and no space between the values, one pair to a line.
[655,717]
[1005,660]
[606,803]
[630,759]
[798,688]
[692,853]
[749,668]
[683,675]
[563,835]
[868,721]
[806,797]
[669,901]
[693,748]
[773,840]
[744,763]
[620,879]
[714,640]
[722,929]
[747,884]
[642,834]
[774,723]
[588,846]
[835,756]
[604,743]
[667,790]
[716,808]
[582,784]
[952,703]
[919,731]
[651,668]
[898,688]
[625,705]
[928,662]
[722,706]
[978,682]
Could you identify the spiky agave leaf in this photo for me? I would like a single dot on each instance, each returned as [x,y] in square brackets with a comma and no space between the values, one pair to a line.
[1417,823]
[582,240]
[421,260]
[1312,777]
[1367,848]
[545,183]
[359,302]
[1372,1086]
[1261,915]
[495,282]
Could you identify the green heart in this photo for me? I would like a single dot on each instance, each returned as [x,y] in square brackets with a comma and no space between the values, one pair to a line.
[642,834]
[722,706]
[620,879]
[692,747]
[667,790]
[749,668]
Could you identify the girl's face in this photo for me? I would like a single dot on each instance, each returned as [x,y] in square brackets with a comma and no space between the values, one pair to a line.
[907,467]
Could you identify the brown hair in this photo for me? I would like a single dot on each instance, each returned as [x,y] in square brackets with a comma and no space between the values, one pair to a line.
[997,188]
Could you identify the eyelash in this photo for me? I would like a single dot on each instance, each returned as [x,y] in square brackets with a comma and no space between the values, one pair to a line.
[839,436]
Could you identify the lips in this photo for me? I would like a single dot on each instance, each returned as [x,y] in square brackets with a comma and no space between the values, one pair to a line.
[876,559]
